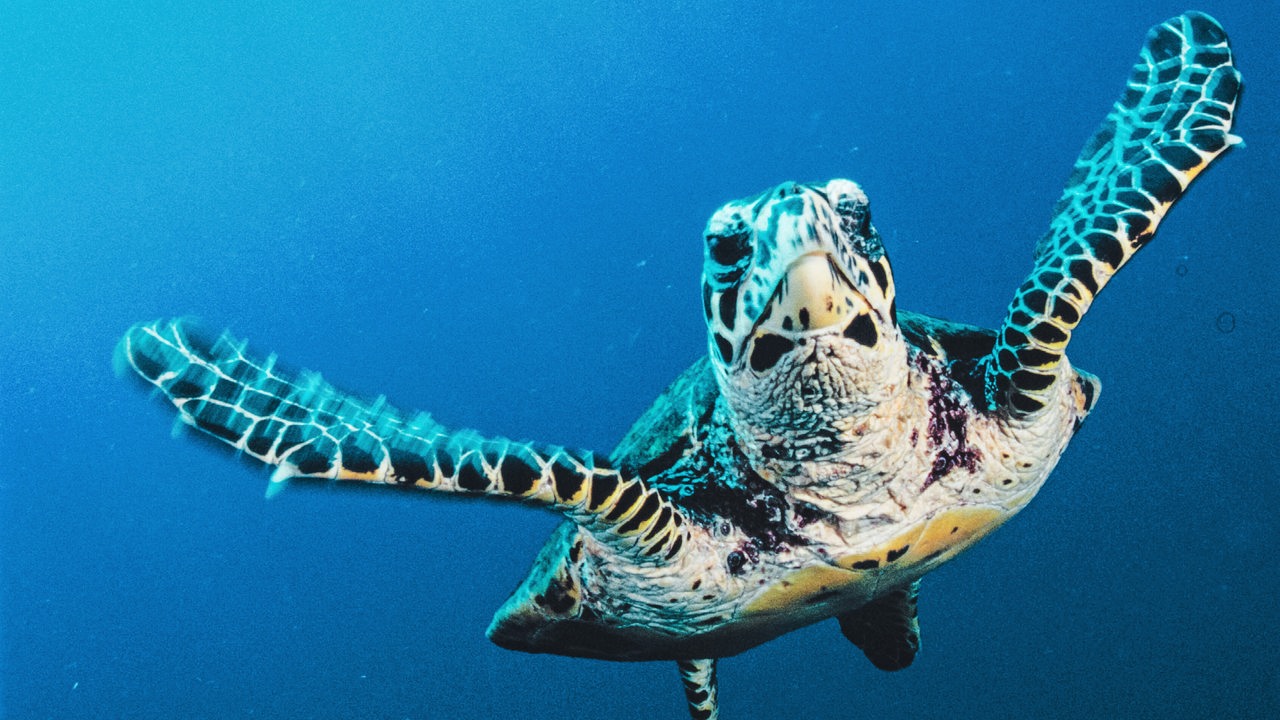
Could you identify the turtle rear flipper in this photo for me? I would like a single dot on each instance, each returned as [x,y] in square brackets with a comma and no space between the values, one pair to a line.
[1172,121]
[307,428]
[886,629]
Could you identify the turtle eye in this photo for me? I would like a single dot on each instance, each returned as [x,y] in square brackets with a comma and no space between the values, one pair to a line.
[855,218]
[855,222]
[729,249]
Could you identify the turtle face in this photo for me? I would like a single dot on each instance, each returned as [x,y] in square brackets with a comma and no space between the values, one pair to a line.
[799,301]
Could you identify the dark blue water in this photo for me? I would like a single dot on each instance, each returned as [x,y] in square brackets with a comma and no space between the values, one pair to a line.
[492,211]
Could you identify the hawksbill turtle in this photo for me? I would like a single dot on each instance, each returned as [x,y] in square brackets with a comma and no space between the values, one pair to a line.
[827,452]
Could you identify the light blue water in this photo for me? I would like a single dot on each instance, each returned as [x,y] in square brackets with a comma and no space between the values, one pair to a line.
[492,211]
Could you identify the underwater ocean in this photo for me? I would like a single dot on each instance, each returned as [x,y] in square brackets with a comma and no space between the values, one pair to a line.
[492,211]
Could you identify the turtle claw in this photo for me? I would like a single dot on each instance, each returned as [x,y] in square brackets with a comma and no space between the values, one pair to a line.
[279,480]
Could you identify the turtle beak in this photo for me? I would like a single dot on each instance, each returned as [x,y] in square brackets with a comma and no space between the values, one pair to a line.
[813,296]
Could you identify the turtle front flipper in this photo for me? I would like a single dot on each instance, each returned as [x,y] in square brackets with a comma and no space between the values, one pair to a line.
[699,678]
[307,428]
[1173,120]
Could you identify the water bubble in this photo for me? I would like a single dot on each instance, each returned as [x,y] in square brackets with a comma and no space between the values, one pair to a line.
[1181,270]
[1226,322]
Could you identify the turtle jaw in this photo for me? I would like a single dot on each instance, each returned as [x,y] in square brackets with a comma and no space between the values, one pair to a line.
[815,297]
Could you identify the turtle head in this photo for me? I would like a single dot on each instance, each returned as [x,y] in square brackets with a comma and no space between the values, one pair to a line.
[801,320]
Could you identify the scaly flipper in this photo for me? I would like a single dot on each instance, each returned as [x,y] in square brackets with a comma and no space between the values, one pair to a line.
[886,629]
[308,428]
[1172,121]
[699,678]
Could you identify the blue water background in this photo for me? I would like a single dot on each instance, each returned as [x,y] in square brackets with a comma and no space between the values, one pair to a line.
[492,211]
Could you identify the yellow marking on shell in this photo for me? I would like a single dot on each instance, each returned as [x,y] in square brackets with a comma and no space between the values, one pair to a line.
[929,544]
[896,547]
[810,582]
[945,536]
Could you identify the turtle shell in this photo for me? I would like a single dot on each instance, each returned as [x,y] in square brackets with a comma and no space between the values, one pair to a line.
[673,417]
[545,613]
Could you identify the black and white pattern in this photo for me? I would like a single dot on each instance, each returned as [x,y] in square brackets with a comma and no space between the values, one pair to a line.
[826,453]
[1173,119]
[309,429]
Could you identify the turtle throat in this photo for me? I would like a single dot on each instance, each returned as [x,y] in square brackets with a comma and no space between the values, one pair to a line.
[819,362]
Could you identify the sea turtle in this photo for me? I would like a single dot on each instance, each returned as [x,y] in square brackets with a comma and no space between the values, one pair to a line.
[827,452]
